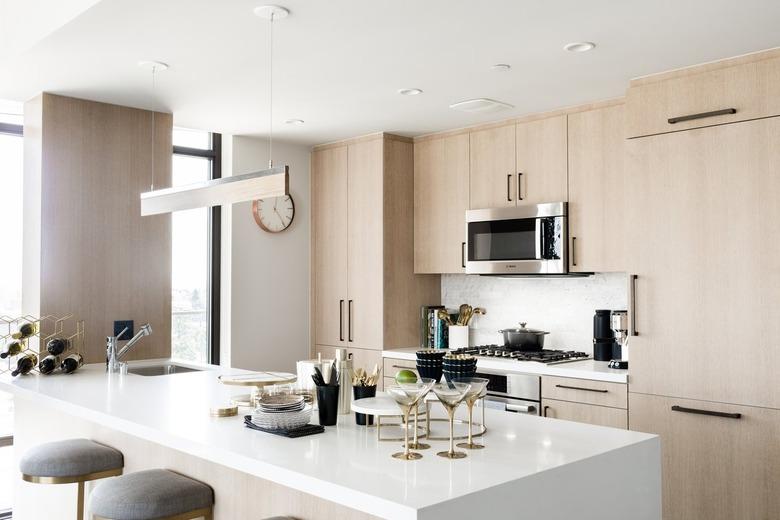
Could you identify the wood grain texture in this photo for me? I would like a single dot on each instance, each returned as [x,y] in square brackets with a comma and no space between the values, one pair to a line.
[441,198]
[237,495]
[596,190]
[750,88]
[585,413]
[703,225]
[492,179]
[713,467]
[99,259]
[605,394]
[541,158]
[329,245]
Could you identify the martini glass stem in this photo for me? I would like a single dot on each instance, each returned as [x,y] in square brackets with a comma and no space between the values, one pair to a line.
[471,408]
[406,432]
[415,424]
[451,413]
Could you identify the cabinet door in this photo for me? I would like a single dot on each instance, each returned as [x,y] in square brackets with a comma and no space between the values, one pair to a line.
[541,161]
[596,196]
[441,198]
[492,179]
[361,358]
[329,223]
[718,468]
[585,413]
[704,241]
[364,245]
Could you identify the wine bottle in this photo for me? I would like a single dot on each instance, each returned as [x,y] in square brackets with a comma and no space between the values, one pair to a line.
[48,364]
[12,349]
[57,346]
[25,330]
[72,363]
[24,364]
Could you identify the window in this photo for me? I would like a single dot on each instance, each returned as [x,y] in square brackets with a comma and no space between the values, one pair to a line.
[195,248]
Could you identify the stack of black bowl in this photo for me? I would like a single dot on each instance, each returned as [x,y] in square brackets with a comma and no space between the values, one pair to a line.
[459,366]
[429,363]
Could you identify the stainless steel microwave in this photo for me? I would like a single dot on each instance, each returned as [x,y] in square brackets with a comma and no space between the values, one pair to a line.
[521,240]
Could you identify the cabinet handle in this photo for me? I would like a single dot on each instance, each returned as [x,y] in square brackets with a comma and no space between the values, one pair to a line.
[600,391]
[463,255]
[702,115]
[573,251]
[404,368]
[508,187]
[349,321]
[727,415]
[544,411]
[341,320]
[519,408]
[632,298]
[519,186]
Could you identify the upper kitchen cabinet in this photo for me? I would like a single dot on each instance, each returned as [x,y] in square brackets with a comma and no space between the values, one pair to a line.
[366,295]
[711,94]
[703,239]
[541,161]
[596,184]
[492,179]
[441,198]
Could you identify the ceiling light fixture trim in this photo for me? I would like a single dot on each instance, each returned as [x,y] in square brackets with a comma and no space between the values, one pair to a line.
[579,46]
[294,121]
[409,91]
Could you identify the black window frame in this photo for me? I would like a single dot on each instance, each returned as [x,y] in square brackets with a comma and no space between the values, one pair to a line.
[11,129]
[214,155]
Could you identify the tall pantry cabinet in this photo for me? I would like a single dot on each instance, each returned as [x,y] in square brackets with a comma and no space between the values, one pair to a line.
[366,297]
[703,249]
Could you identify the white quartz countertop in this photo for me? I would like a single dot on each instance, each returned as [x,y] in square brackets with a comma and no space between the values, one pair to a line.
[347,464]
[587,369]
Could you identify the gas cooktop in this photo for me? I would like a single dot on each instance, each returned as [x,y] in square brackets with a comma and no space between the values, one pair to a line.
[549,357]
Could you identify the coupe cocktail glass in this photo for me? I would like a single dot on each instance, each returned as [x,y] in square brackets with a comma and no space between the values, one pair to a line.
[477,391]
[407,395]
[451,394]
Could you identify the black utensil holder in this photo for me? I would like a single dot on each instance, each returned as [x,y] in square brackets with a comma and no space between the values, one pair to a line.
[360,392]
[328,404]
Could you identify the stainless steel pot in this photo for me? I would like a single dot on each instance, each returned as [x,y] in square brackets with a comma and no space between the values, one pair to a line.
[523,338]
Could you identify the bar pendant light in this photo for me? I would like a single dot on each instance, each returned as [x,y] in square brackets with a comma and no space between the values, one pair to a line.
[272,182]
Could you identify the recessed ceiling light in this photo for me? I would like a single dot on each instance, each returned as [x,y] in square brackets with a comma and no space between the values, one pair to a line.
[157,66]
[579,46]
[294,121]
[501,67]
[410,91]
[268,11]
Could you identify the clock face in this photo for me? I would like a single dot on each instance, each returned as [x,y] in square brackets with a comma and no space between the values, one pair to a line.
[274,214]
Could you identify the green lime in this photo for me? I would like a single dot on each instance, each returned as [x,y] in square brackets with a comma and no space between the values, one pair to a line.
[405,376]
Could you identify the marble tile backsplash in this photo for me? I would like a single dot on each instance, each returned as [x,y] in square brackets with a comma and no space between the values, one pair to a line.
[563,306]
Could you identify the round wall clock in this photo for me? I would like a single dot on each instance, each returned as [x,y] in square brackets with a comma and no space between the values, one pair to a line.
[274,214]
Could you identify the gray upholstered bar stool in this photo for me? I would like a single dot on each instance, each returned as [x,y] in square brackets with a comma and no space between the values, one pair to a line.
[71,461]
[158,494]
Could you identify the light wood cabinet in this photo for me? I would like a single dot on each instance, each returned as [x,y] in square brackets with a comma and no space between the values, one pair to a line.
[703,235]
[492,179]
[585,413]
[541,161]
[441,198]
[707,95]
[585,391]
[718,468]
[366,295]
[596,190]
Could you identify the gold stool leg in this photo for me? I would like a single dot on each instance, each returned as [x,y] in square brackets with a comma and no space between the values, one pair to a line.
[80,501]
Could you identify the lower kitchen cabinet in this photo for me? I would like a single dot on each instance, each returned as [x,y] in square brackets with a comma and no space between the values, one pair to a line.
[585,413]
[715,467]
[361,357]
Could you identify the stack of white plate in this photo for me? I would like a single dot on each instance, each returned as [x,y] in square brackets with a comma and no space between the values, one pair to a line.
[281,412]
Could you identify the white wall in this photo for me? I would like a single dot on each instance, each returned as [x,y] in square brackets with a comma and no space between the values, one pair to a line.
[562,306]
[269,273]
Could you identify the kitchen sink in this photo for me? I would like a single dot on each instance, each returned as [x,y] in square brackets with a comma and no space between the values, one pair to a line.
[163,369]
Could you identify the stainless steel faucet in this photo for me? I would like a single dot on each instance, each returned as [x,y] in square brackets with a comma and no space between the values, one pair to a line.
[113,357]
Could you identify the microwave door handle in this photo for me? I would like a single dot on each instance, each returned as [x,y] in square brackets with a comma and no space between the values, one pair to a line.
[539,238]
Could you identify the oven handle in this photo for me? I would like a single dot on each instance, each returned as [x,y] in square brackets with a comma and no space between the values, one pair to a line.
[521,408]
[539,238]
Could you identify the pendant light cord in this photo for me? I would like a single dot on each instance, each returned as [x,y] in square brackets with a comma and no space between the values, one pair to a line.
[271,97]
[154,71]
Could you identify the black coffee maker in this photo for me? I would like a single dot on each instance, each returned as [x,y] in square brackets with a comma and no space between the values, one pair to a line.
[604,344]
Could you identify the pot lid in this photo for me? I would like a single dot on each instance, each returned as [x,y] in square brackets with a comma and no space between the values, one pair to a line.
[526,330]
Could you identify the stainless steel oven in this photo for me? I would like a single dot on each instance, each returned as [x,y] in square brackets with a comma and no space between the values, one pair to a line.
[518,393]
[529,240]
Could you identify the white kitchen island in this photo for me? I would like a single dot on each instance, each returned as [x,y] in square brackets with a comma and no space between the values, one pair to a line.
[532,467]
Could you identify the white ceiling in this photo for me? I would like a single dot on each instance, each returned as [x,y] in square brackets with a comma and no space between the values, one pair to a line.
[339,63]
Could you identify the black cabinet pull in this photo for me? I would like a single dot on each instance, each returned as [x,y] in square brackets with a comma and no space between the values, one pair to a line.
[632,301]
[582,388]
[574,251]
[519,185]
[508,187]
[463,255]
[544,411]
[702,115]
[349,321]
[341,320]
[727,415]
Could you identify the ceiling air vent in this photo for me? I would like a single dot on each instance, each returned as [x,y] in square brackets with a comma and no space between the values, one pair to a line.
[481,106]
